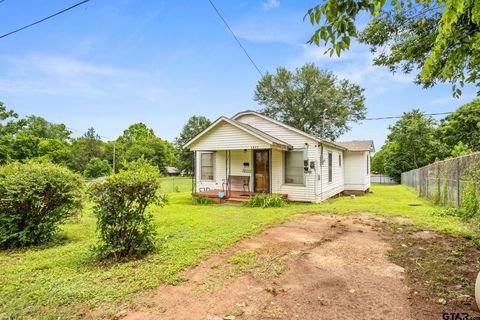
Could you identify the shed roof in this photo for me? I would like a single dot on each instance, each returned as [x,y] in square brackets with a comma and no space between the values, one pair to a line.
[358,145]
[172,170]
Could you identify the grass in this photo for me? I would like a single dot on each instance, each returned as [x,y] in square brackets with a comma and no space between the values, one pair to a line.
[62,281]
[393,201]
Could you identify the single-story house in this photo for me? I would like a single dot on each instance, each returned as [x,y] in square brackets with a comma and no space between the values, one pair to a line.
[252,153]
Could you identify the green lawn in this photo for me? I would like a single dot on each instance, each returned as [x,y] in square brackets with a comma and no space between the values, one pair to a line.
[62,280]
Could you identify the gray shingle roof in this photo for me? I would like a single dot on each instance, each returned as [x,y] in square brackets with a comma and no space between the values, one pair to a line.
[357,145]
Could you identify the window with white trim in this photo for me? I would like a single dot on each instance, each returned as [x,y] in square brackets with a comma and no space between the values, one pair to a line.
[206,166]
[294,167]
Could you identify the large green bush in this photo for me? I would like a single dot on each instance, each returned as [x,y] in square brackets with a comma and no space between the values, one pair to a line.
[125,228]
[97,168]
[34,199]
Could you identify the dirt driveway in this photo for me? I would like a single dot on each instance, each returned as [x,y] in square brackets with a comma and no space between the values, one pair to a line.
[315,267]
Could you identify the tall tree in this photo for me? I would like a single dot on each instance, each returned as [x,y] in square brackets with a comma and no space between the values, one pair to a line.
[139,141]
[85,148]
[193,126]
[415,135]
[462,126]
[440,38]
[312,100]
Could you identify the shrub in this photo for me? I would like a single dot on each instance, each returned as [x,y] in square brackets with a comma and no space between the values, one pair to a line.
[470,200]
[35,199]
[266,200]
[97,168]
[125,229]
[202,200]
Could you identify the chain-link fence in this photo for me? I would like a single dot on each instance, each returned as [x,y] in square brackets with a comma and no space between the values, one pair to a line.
[445,181]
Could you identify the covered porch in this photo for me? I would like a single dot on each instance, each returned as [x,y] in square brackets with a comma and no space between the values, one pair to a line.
[235,159]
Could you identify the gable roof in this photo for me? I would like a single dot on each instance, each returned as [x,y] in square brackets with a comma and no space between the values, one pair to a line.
[358,145]
[242,126]
[258,114]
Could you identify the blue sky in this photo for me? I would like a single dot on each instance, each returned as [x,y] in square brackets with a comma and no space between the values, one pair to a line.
[111,63]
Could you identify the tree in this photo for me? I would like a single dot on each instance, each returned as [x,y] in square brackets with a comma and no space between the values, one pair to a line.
[311,100]
[55,150]
[139,141]
[462,126]
[440,38]
[41,128]
[193,126]
[415,135]
[85,148]
[138,132]
[395,160]
[97,168]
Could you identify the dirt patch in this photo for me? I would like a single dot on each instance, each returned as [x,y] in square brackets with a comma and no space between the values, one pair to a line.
[324,267]
[440,269]
[315,267]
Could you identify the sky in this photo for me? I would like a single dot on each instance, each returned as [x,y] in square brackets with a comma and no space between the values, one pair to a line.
[110,63]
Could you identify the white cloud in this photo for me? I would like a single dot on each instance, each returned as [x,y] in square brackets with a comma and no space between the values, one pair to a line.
[355,65]
[66,76]
[271,4]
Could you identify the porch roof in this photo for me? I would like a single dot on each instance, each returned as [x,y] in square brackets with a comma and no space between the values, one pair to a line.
[228,134]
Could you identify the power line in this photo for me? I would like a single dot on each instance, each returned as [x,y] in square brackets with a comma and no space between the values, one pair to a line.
[238,41]
[46,18]
[398,117]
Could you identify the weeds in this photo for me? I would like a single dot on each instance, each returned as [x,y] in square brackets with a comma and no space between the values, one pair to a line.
[266,200]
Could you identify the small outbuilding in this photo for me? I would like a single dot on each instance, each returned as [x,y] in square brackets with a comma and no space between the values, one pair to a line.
[172,171]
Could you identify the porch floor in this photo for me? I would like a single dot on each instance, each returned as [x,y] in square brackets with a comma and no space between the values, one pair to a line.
[234,195]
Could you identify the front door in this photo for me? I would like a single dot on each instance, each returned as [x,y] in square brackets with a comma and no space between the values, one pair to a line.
[261,169]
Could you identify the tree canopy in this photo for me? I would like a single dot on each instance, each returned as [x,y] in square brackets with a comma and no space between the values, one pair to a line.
[439,38]
[417,140]
[192,127]
[312,100]
[34,137]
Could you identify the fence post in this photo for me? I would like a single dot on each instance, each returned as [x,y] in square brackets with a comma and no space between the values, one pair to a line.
[458,183]
[438,183]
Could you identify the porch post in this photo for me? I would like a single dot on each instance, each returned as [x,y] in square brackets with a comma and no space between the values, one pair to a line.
[229,171]
[194,176]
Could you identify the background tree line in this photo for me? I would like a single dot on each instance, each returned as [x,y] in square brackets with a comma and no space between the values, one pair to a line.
[34,137]
[417,140]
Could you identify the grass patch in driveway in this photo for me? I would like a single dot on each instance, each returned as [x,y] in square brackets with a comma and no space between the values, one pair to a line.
[392,201]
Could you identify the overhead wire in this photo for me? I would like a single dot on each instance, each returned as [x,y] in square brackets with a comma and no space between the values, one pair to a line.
[236,38]
[44,19]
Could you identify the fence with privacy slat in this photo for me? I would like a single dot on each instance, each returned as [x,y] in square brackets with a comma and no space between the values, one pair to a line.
[444,181]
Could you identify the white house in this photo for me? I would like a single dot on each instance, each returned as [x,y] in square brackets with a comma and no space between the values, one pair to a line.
[252,153]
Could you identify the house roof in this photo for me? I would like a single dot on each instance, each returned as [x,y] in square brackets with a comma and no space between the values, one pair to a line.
[287,127]
[242,126]
[358,145]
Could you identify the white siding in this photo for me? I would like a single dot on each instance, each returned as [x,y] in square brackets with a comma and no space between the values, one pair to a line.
[356,176]
[286,135]
[228,137]
[327,189]
[350,175]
